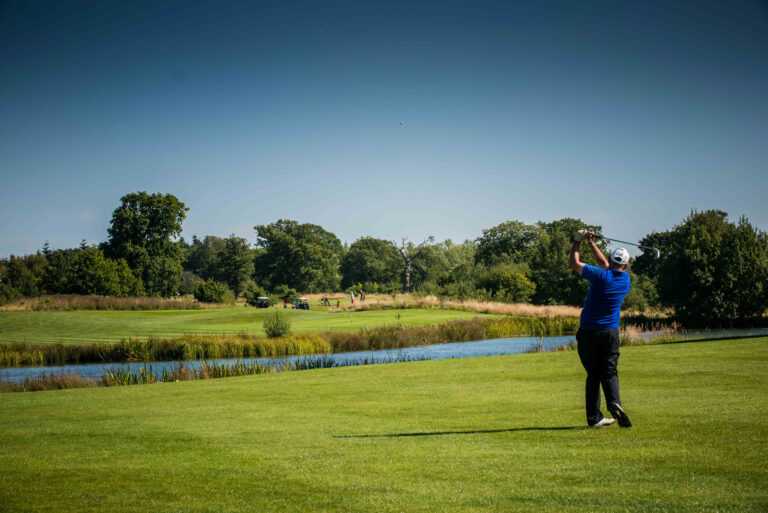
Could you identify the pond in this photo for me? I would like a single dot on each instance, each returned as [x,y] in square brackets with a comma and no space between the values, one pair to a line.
[492,347]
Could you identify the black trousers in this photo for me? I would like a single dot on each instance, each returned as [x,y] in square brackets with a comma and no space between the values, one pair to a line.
[599,354]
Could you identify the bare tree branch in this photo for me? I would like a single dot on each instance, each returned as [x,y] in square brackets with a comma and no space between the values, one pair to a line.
[409,255]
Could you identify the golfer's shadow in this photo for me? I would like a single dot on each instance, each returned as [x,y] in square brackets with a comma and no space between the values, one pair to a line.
[473,432]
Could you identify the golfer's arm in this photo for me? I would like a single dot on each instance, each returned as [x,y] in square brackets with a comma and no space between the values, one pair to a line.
[573,260]
[602,262]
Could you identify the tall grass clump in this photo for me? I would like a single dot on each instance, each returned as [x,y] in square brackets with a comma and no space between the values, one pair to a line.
[47,381]
[277,324]
[539,347]
[530,326]
[394,337]
[121,376]
[179,372]
[214,292]
[637,335]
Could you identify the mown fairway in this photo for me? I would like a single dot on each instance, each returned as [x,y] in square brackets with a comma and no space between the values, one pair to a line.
[94,326]
[484,434]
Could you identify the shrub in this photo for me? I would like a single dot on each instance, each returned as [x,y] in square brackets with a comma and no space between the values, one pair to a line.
[189,282]
[253,292]
[714,270]
[509,283]
[641,296]
[92,273]
[7,294]
[277,324]
[515,287]
[213,292]
[17,273]
[284,292]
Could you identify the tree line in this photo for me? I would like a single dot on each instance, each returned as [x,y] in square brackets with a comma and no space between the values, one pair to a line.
[710,268]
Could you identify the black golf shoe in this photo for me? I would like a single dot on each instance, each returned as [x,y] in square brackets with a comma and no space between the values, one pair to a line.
[619,415]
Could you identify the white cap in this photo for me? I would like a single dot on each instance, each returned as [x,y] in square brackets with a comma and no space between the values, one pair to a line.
[620,256]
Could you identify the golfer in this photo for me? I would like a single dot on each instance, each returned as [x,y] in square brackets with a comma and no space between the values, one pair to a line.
[598,335]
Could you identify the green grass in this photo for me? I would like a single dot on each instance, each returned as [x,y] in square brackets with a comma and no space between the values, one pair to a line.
[95,326]
[481,434]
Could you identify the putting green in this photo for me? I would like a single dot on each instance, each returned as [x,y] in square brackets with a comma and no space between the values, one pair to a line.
[480,434]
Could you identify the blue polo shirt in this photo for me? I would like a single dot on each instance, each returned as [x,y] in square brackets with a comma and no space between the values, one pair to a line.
[603,303]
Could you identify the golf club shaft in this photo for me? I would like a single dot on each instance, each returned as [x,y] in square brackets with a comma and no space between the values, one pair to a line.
[625,242]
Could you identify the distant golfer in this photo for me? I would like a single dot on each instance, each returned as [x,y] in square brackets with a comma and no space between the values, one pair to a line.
[598,335]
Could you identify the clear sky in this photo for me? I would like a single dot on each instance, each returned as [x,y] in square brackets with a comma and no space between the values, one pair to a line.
[624,114]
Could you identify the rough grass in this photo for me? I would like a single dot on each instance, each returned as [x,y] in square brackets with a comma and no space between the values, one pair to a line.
[70,302]
[498,434]
[487,307]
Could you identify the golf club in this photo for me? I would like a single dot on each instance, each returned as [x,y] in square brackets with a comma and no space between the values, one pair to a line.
[656,252]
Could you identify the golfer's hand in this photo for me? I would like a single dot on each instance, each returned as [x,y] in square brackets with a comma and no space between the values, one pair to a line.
[589,237]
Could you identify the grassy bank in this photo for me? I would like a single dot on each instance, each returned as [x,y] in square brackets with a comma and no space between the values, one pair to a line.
[480,434]
[199,347]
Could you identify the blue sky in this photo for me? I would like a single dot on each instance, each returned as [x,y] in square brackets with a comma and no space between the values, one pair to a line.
[624,114]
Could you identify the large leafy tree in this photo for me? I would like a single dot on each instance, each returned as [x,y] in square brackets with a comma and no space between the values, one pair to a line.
[555,282]
[90,272]
[443,263]
[142,231]
[646,263]
[370,260]
[302,256]
[227,260]
[540,254]
[202,257]
[236,263]
[56,277]
[446,262]
[510,242]
[83,270]
[24,274]
[507,283]
[713,269]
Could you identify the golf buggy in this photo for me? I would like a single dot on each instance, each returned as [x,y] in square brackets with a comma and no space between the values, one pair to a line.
[262,302]
[301,303]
